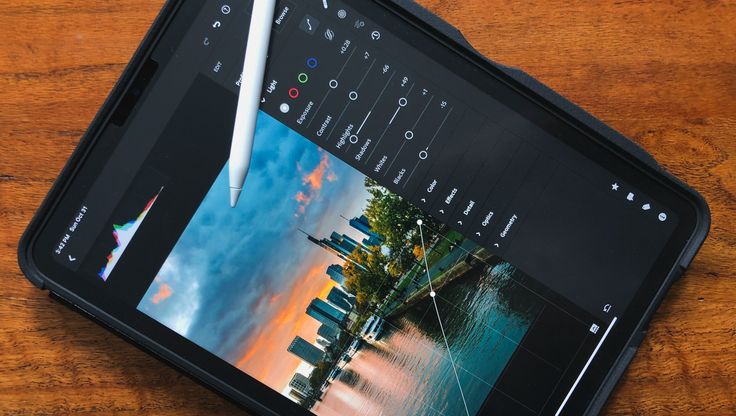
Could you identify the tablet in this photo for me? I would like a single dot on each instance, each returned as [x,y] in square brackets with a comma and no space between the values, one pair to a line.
[422,231]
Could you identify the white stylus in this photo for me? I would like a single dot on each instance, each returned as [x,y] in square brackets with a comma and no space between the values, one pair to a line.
[249,100]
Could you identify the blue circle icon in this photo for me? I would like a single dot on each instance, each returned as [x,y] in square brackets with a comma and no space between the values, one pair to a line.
[312,63]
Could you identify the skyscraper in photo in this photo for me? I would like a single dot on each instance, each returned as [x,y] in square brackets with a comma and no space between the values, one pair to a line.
[340,245]
[326,313]
[330,333]
[363,225]
[340,299]
[335,273]
[300,384]
[306,351]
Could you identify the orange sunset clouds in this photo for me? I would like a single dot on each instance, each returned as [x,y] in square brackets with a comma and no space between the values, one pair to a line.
[264,355]
[313,181]
[164,292]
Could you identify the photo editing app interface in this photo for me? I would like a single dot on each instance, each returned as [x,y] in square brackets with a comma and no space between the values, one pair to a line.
[405,244]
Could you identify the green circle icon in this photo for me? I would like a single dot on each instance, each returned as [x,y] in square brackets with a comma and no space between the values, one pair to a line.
[303,78]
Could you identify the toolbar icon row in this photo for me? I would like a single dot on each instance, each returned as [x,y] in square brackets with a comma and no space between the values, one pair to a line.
[631,197]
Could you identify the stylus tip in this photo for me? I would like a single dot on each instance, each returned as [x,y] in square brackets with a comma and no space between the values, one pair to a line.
[234,196]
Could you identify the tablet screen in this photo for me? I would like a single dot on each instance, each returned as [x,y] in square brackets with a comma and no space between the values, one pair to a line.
[414,237]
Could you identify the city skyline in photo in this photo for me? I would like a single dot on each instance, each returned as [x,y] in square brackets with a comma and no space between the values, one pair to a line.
[239,281]
[254,284]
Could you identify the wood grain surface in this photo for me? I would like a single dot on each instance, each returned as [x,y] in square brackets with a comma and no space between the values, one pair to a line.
[661,72]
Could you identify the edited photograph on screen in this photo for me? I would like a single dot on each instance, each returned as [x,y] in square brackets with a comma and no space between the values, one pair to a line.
[339,294]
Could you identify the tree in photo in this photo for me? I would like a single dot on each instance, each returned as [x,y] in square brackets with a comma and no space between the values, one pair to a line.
[367,276]
[396,220]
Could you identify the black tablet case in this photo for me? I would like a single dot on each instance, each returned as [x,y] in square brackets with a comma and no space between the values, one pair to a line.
[454,35]
[615,138]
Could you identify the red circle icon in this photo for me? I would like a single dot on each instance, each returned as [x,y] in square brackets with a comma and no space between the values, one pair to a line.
[294,93]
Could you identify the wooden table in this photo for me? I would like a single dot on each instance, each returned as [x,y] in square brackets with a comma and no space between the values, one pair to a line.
[663,73]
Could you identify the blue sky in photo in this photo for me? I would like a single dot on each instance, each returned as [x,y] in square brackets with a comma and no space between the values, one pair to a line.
[239,280]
